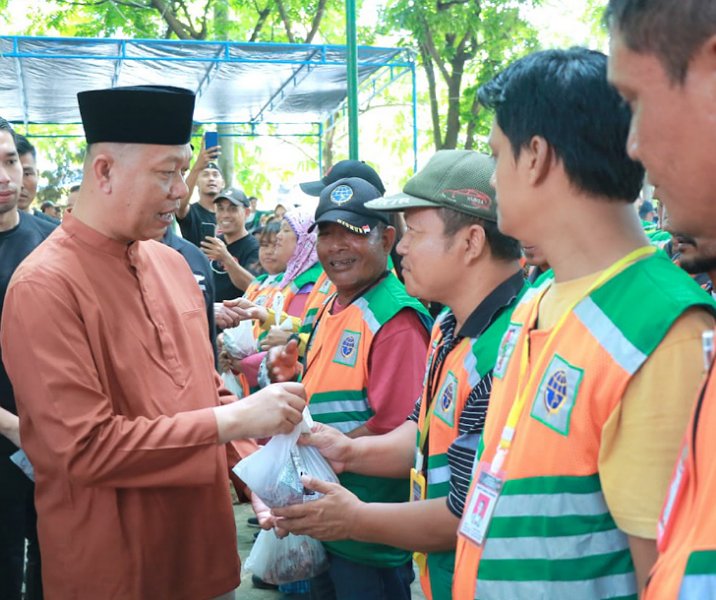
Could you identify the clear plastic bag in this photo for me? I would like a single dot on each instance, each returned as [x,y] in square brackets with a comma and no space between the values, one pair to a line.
[274,472]
[240,341]
[232,384]
[284,560]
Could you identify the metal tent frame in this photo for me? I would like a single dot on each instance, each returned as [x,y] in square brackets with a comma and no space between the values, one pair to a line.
[262,88]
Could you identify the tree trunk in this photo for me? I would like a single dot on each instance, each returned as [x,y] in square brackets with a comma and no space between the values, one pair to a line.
[433,94]
[452,127]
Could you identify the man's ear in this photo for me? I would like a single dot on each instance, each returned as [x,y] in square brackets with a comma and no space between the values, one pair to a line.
[540,159]
[102,166]
[475,242]
[388,238]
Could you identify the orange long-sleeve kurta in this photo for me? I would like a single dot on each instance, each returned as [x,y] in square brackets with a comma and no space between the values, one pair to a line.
[106,347]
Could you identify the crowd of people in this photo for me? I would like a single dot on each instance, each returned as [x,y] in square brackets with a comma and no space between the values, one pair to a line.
[509,363]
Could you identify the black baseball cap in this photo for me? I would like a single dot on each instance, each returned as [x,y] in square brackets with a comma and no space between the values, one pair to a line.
[235,196]
[212,165]
[343,170]
[344,202]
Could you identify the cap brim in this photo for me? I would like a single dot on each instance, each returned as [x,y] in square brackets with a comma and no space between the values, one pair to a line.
[349,220]
[312,188]
[400,202]
[234,202]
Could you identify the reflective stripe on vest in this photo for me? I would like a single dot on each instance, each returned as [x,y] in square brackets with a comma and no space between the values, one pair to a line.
[559,526]
[699,580]
[622,351]
[612,586]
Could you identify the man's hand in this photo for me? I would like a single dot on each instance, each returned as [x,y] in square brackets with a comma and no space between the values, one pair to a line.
[275,337]
[263,512]
[332,444]
[232,312]
[275,409]
[282,362]
[215,249]
[228,363]
[327,519]
[206,155]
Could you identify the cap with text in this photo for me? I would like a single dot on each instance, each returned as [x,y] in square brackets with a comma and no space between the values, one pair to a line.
[344,202]
[455,179]
[342,170]
[144,114]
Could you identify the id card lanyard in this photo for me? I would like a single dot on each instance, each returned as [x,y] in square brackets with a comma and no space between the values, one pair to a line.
[490,478]
[508,432]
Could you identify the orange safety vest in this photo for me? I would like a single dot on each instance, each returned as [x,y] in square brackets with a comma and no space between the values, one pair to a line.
[551,533]
[686,568]
[450,385]
[260,292]
[336,382]
[322,290]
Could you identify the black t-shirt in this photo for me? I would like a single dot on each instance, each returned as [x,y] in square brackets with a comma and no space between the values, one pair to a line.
[15,245]
[190,225]
[246,251]
[199,265]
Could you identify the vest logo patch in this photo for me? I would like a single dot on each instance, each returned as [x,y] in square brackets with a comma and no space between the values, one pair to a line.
[556,395]
[445,400]
[347,351]
[507,347]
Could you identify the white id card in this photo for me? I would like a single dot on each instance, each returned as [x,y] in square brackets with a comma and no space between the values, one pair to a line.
[481,504]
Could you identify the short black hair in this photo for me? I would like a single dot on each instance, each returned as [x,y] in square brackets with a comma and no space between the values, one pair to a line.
[5,126]
[672,30]
[502,247]
[271,227]
[563,96]
[24,146]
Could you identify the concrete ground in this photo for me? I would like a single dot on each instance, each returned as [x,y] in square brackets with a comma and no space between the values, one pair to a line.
[245,537]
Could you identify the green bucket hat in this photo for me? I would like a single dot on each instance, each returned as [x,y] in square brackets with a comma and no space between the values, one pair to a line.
[455,179]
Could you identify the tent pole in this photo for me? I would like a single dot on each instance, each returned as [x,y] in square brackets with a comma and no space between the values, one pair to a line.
[320,149]
[352,64]
[415,117]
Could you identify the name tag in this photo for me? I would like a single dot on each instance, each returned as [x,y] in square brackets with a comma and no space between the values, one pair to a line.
[481,505]
[418,486]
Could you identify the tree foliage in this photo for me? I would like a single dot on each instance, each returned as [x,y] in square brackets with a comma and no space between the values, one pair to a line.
[461,44]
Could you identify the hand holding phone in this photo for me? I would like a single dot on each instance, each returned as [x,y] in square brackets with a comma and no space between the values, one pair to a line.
[207,230]
[211,139]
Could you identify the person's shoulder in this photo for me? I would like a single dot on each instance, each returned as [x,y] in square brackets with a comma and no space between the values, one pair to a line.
[406,319]
[188,250]
[49,265]
[43,218]
[250,241]
[35,225]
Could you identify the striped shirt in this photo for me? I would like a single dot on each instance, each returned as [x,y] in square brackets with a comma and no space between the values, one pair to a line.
[461,454]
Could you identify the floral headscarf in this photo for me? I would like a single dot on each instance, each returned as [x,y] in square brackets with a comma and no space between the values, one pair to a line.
[304,256]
